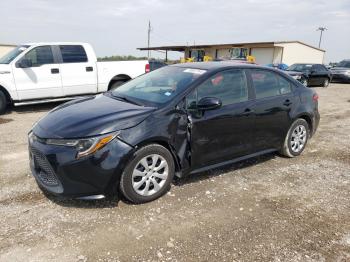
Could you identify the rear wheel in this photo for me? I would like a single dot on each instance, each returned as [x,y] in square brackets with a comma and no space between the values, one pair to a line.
[148,175]
[116,84]
[326,82]
[3,102]
[296,138]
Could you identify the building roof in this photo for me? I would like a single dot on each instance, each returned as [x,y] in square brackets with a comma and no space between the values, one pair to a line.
[181,48]
[7,45]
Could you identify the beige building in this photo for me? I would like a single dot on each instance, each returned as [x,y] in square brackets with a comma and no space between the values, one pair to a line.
[287,52]
[5,49]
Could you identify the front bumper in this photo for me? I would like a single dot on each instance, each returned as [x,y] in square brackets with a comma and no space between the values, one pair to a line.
[57,170]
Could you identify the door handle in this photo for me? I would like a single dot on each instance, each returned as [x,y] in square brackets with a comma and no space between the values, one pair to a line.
[55,71]
[247,111]
[287,102]
[89,69]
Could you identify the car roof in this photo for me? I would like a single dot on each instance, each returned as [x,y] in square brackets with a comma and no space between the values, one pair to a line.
[217,65]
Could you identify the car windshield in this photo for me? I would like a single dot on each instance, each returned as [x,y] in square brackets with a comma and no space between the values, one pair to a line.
[159,86]
[8,58]
[299,67]
[343,63]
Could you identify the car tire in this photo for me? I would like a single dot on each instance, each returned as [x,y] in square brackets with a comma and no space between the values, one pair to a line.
[139,178]
[304,81]
[116,84]
[326,82]
[3,102]
[296,138]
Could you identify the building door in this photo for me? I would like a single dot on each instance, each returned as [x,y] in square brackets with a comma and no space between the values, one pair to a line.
[263,55]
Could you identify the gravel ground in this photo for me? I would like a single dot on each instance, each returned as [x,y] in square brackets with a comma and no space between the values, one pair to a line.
[265,209]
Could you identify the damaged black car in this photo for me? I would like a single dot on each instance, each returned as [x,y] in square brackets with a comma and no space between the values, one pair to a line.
[177,120]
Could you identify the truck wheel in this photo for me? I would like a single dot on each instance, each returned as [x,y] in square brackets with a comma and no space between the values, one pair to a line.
[116,84]
[148,175]
[3,102]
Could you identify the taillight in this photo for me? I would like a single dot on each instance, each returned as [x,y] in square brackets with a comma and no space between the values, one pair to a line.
[147,68]
[315,97]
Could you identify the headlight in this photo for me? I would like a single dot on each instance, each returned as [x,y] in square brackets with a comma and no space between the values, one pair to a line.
[84,146]
[297,77]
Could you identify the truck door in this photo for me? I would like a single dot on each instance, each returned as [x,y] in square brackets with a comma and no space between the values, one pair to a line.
[79,75]
[37,74]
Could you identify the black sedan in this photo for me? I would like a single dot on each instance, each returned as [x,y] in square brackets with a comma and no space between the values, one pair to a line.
[174,121]
[341,72]
[310,74]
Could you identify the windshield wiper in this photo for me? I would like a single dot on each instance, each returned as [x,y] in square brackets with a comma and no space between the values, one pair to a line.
[125,99]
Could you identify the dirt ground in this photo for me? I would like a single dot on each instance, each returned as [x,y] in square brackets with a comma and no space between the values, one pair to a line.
[265,209]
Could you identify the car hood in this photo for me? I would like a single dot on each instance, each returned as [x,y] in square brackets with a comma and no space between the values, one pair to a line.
[293,73]
[90,116]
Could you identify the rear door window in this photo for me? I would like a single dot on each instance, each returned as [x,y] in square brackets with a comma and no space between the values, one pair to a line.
[269,84]
[73,54]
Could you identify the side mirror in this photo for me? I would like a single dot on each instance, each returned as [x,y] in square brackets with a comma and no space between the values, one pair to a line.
[24,63]
[209,103]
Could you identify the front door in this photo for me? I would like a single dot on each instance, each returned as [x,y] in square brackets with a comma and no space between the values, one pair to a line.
[224,133]
[274,100]
[42,78]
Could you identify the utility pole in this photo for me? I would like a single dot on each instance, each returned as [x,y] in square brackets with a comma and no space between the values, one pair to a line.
[149,39]
[321,29]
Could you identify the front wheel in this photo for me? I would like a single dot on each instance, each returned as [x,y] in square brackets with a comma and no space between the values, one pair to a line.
[148,175]
[296,138]
[304,81]
[3,102]
[326,82]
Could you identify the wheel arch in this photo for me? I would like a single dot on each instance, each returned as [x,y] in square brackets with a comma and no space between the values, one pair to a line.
[165,143]
[120,77]
[308,119]
[7,94]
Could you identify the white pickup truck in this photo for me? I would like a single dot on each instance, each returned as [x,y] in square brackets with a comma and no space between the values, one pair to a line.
[43,72]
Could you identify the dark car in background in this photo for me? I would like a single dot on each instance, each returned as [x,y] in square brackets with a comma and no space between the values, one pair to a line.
[310,74]
[341,71]
[177,120]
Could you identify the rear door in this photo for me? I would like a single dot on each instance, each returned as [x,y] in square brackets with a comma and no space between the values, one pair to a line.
[274,99]
[42,79]
[79,75]
[224,133]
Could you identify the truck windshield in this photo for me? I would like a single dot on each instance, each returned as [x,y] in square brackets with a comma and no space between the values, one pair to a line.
[8,58]
[159,86]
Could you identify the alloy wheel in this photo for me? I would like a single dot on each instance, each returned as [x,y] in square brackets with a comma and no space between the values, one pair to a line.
[150,175]
[298,138]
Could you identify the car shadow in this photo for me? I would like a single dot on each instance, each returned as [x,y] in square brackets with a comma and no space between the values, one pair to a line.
[109,202]
[113,201]
[195,178]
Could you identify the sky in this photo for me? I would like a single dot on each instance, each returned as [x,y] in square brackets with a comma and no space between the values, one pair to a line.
[118,27]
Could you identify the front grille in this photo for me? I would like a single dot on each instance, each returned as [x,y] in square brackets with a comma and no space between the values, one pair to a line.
[43,169]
